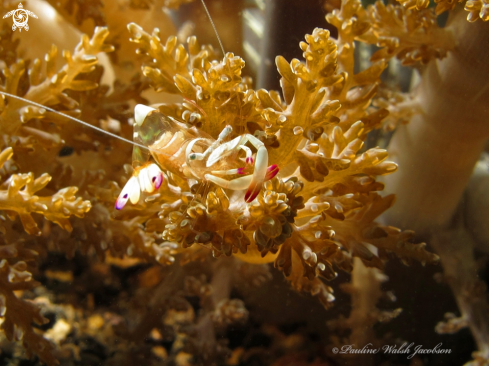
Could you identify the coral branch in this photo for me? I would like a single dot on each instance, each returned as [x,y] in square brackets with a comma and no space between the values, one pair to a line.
[19,315]
[19,199]
[49,89]
[456,252]
[443,144]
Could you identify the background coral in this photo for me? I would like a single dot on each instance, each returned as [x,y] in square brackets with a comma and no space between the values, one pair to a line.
[183,264]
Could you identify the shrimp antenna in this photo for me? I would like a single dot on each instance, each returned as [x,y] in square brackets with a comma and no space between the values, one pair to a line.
[214,27]
[77,120]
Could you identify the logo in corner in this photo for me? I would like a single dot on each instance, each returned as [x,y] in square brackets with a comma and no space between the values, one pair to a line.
[20,17]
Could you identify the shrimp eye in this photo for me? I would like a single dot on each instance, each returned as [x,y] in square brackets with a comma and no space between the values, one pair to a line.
[192,156]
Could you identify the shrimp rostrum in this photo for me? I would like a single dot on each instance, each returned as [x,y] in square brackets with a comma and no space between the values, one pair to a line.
[191,154]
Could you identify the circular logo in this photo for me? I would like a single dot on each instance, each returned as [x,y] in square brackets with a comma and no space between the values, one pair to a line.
[20,18]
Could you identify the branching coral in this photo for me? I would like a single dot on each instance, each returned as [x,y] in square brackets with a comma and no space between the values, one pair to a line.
[18,315]
[410,35]
[477,9]
[19,199]
[441,84]
[365,291]
[318,216]
[401,106]
[315,130]
[48,88]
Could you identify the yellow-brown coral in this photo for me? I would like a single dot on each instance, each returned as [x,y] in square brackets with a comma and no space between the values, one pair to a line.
[318,217]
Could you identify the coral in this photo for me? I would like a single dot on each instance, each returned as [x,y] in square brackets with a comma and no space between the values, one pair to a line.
[168,277]
[441,220]
[401,106]
[410,35]
[444,5]
[365,292]
[477,9]
[307,228]
[19,199]
[48,88]
[19,315]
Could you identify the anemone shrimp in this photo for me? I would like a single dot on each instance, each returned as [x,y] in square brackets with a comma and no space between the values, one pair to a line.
[190,153]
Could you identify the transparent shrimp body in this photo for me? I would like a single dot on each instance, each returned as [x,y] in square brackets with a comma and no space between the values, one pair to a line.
[190,153]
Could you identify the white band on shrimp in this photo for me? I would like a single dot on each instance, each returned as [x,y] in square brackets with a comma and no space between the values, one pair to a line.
[235,184]
[259,174]
[147,179]
[140,113]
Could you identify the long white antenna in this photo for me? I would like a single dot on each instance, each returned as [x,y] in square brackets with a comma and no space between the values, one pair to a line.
[214,26]
[76,120]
